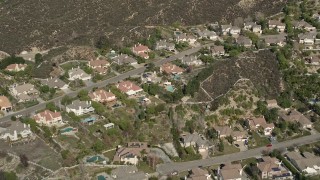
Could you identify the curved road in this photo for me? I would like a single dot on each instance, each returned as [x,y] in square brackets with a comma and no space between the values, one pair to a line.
[27,111]
[168,168]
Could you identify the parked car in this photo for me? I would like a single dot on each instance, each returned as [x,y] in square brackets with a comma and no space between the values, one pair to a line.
[269,145]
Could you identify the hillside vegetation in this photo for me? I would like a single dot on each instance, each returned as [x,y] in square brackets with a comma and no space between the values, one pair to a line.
[47,23]
[260,68]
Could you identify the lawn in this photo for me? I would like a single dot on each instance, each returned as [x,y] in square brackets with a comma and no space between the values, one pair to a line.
[258,141]
[110,154]
[143,166]
[248,161]
[228,149]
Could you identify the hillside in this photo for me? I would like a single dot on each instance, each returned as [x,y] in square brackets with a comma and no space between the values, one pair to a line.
[260,68]
[47,23]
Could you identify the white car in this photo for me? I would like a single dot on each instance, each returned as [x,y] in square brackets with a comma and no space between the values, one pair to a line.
[18,116]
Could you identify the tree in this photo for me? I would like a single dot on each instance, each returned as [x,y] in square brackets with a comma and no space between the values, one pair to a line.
[66,100]
[38,58]
[98,108]
[13,118]
[83,95]
[229,139]
[102,43]
[221,146]
[98,146]
[51,106]
[44,89]
[24,160]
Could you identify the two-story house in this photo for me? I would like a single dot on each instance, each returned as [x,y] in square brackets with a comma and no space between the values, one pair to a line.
[100,66]
[218,51]
[124,59]
[129,88]
[102,96]
[24,92]
[164,45]
[306,163]
[141,50]
[55,83]
[131,153]
[48,118]
[77,73]
[257,123]
[230,172]
[80,107]
[14,130]
[272,168]
[194,140]
[191,61]
[279,26]
[171,69]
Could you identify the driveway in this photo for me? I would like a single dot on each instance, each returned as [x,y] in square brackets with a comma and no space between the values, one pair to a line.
[242,146]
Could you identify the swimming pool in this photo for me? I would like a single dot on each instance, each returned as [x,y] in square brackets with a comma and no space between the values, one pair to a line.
[170,88]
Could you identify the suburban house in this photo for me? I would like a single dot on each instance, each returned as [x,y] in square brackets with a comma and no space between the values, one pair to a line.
[230,172]
[257,123]
[239,135]
[207,34]
[102,96]
[217,51]
[16,67]
[198,174]
[14,130]
[257,29]
[277,39]
[183,37]
[274,24]
[141,50]
[48,118]
[101,66]
[235,30]
[248,25]
[24,92]
[5,104]
[223,131]
[244,41]
[194,140]
[272,103]
[80,107]
[124,59]
[303,25]
[131,153]
[191,61]
[55,83]
[171,69]
[313,60]
[129,88]
[164,45]
[295,116]
[272,168]
[306,163]
[225,29]
[307,38]
[77,73]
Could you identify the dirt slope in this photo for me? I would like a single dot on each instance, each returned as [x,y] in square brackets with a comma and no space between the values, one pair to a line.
[48,23]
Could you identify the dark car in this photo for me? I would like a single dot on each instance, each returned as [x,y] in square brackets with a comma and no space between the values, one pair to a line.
[237,145]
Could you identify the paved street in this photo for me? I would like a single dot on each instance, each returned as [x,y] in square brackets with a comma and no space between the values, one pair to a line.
[165,169]
[26,112]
